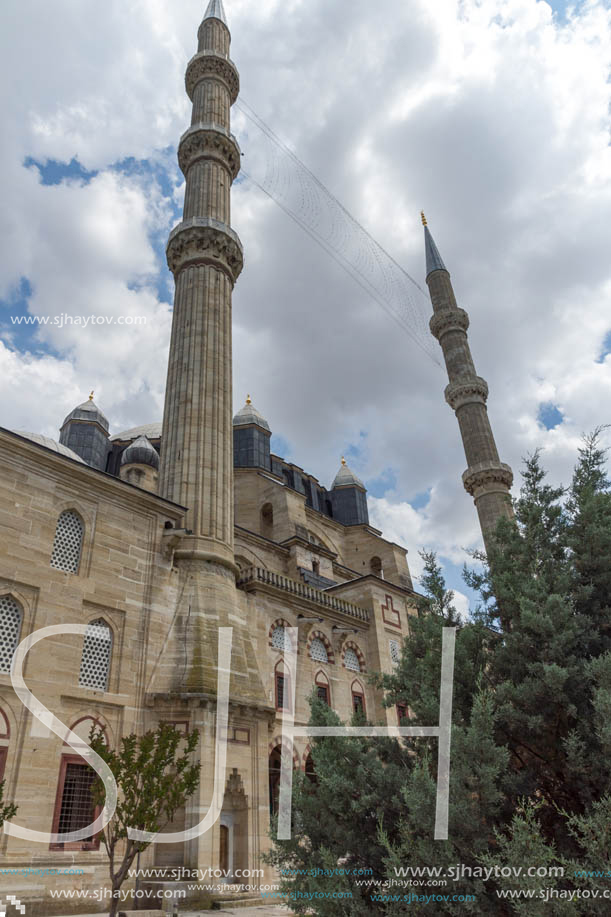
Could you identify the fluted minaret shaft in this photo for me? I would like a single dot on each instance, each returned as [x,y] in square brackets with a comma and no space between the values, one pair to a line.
[487,479]
[205,256]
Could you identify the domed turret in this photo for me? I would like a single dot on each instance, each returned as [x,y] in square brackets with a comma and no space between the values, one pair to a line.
[349,497]
[140,464]
[141,452]
[85,431]
[251,437]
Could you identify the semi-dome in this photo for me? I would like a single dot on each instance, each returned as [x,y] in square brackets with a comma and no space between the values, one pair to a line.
[89,412]
[140,452]
[51,444]
[249,414]
[345,477]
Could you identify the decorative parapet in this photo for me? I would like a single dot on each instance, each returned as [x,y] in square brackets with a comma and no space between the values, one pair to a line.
[211,65]
[205,241]
[254,575]
[487,477]
[448,320]
[459,393]
[206,140]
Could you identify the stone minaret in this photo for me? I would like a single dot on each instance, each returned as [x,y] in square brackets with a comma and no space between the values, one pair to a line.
[205,256]
[487,479]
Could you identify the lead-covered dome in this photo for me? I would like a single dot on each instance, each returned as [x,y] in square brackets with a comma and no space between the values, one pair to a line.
[249,414]
[51,444]
[140,452]
[89,412]
[345,477]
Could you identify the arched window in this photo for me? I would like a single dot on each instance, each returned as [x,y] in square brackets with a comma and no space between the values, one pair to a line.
[5,734]
[11,617]
[68,542]
[97,652]
[275,762]
[282,688]
[310,770]
[351,660]
[375,565]
[318,651]
[267,520]
[322,688]
[280,638]
[358,698]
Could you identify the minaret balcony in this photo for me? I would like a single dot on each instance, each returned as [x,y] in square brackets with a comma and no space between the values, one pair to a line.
[207,140]
[206,65]
[466,392]
[448,320]
[487,477]
[204,241]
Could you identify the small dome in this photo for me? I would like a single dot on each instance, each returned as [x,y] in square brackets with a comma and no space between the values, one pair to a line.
[89,412]
[249,414]
[346,478]
[150,430]
[51,444]
[140,452]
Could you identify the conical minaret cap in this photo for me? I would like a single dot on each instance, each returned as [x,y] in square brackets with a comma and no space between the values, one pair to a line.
[216,11]
[434,261]
[345,477]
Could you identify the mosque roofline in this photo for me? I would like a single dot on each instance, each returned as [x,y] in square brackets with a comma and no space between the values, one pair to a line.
[109,479]
[378,579]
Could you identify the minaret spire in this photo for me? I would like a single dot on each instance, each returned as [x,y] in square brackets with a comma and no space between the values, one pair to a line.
[205,256]
[487,479]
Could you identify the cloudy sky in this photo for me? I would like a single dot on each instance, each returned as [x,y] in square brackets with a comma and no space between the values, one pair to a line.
[492,115]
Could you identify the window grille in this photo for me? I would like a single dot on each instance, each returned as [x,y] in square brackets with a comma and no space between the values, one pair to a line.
[279,638]
[95,661]
[351,660]
[322,692]
[318,651]
[77,808]
[281,699]
[10,630]
[68,542]
[395,652]
[358,703]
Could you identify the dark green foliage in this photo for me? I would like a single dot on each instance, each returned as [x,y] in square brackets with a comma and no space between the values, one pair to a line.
[531,737]
[7,810]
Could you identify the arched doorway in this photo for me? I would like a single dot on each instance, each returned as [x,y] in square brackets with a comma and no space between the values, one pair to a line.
[233,837]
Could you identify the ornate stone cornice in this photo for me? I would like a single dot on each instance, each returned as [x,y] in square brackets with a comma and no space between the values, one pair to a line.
[465,392]
[209,141]
[487,477]
[448,320]
[209,64]
[205,241]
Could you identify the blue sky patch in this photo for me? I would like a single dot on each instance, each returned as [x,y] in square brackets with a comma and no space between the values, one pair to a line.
[550,415]
[379,487]
[606,348]
[53,172]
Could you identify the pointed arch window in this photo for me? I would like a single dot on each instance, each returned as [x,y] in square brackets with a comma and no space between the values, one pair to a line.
[318,651]
[351,660]
[11,617]
[68,542]
[5,734]
[96,658]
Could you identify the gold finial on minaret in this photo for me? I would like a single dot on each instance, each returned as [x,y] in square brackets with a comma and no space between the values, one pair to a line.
[91,396]
[343,460]
[423,218]
[248,401]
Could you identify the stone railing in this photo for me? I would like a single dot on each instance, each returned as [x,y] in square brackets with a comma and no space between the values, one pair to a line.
[301,590]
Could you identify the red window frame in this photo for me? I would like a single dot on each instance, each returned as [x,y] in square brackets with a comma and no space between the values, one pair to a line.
[355,708]
[285,690]
[3,756]
[75,845]
[322,690]
[402,712]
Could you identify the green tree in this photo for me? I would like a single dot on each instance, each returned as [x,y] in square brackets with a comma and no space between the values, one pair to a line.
[155,776]
[7,810]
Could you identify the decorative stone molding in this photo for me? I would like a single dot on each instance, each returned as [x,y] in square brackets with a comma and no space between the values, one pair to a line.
[210,65]
[205,241]
[448,320]
[209,141]
[487,477]
[459,393]
[318,634]
[351,645]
